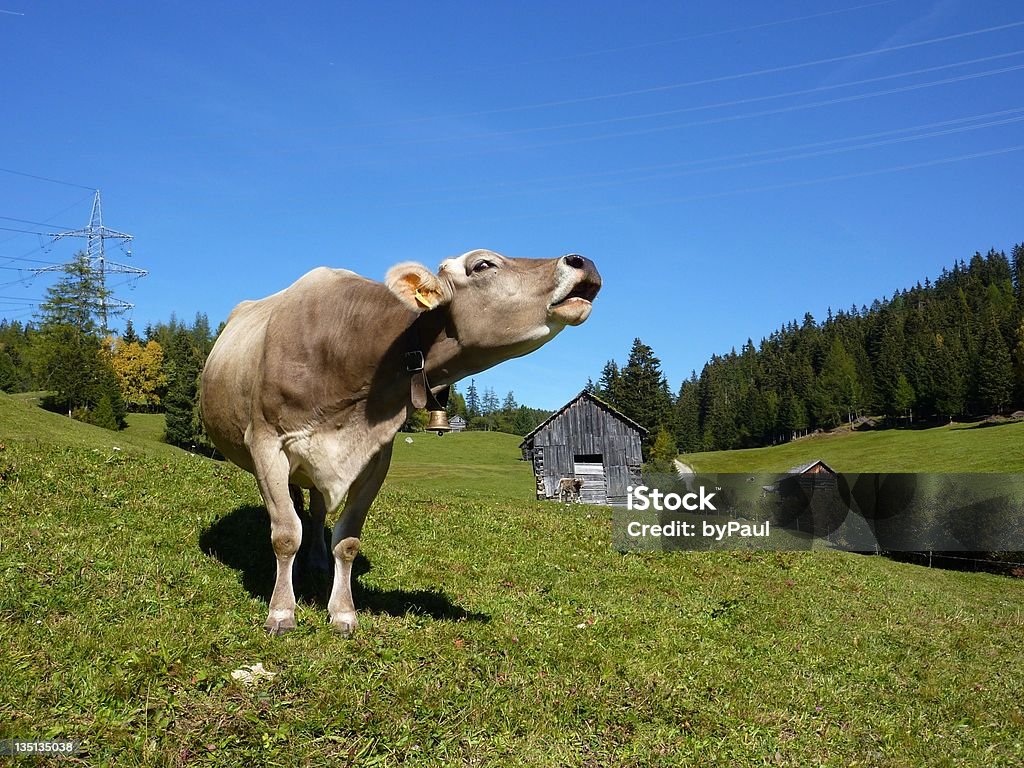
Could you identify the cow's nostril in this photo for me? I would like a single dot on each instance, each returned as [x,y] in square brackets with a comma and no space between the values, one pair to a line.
[575,260]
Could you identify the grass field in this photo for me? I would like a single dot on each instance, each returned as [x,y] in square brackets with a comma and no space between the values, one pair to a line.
[954,448]
[495,630]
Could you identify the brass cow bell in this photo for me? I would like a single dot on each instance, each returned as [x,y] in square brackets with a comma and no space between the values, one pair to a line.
[438,422]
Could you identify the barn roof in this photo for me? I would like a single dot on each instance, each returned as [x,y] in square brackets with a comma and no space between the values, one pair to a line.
[801,469]
[584,395]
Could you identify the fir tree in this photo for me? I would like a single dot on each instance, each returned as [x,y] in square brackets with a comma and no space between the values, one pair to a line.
[643,392]
[472,400]
[994,370]
[687,419]
[67,351]
[184,366]
[608,383]
[130,336]
[1017,264]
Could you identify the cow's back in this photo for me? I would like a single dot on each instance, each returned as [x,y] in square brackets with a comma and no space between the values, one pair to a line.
[234,365]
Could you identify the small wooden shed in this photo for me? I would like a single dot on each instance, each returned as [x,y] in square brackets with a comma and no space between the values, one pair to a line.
[588,440]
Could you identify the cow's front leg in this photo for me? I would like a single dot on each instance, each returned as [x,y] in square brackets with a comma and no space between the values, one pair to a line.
[345,541]
[271,467]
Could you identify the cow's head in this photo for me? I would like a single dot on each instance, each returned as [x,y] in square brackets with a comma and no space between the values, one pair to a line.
[501,307]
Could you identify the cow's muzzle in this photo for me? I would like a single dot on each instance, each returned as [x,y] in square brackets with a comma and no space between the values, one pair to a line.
[579,285]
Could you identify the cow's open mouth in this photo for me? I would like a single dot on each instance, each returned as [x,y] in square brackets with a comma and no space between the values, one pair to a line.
[585,290]
[575,306]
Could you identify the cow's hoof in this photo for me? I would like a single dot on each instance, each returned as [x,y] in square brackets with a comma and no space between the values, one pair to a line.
[278,627]
[345,624]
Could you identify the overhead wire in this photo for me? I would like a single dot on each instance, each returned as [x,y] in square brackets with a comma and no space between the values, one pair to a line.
[709,80]
[765,112]
[713,105]
[504,65]
[803,155]
[37,223]
[740,155]
[773,187]
[46,178]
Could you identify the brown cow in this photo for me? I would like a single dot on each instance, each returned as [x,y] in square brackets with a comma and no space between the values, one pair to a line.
[307,388]
[569,489]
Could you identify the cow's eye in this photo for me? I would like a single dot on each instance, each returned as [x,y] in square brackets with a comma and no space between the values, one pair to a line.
[483,266]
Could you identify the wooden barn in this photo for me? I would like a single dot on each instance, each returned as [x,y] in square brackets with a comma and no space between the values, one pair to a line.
[586,439]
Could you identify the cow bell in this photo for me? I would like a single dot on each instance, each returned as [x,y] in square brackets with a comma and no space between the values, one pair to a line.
[438,422]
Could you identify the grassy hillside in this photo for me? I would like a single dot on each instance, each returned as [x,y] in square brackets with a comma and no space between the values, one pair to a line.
[495,630]
[953,448]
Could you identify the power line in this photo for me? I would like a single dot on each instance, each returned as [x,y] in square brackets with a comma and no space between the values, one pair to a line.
[703,107]
[45,178]
[748,164]
[704,35]
[770,112]
[710,80]
[659,43]
[741,155]
[22,231]
[37,223]
[773,187]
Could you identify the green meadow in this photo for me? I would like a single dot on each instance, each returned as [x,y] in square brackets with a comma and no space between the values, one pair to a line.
[954,448]
[495,629]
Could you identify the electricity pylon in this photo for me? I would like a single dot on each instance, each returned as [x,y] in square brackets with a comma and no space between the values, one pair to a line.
[96,235]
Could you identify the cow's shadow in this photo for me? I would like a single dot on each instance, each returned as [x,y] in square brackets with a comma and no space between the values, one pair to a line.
[241,540]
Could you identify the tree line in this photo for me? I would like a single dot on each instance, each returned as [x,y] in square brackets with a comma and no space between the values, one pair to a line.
[948,349]
[98,377]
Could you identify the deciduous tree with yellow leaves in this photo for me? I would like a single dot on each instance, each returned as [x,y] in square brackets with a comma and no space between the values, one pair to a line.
[140,372]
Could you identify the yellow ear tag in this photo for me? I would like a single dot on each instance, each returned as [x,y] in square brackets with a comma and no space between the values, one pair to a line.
[423,300]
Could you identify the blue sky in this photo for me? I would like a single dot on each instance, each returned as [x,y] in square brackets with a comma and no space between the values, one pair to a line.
[728,166]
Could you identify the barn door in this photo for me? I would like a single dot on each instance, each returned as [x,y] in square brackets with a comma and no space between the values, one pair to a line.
[590,469]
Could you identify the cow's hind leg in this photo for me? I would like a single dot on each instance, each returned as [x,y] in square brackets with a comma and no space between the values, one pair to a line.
[271,467]
[345,541]
[312,557]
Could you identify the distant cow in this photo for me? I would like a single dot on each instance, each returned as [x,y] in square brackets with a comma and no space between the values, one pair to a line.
[307,388]
[569,489]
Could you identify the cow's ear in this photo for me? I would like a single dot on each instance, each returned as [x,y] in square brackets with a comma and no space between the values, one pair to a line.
[417,286]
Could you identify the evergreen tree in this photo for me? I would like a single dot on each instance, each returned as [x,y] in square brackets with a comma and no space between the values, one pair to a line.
[687,419]
[608,383]
[130,336]
[888,365]
[994,370]
[839,378]
[904,397]
[201,336]
[643,392]
[948,364]
[510,403]
[456,404]
[184,368]
[663,453]
[490,405]
[472,400]
[1018,362]
[1017,264]
[8,373]
[67,352]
